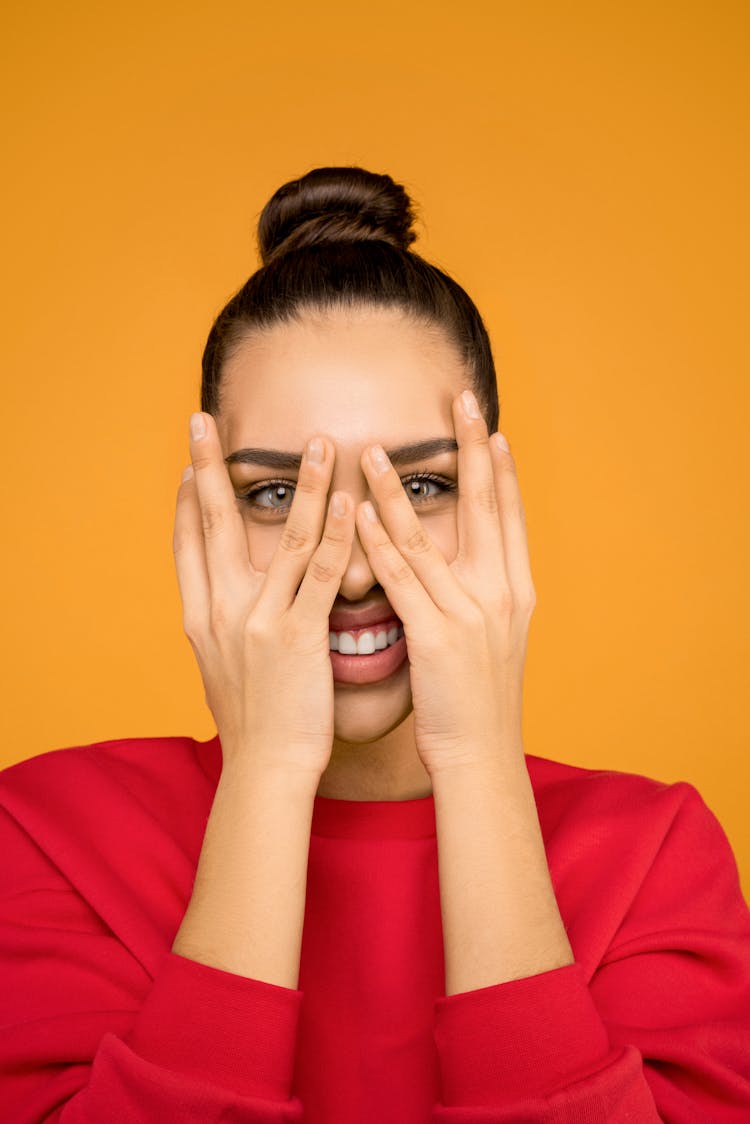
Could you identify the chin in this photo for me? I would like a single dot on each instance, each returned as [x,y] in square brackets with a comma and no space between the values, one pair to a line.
[362,716]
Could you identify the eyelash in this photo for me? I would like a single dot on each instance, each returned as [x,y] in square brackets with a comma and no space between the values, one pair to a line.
[432,477]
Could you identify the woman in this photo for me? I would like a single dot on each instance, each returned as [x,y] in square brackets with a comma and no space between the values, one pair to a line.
[361,901]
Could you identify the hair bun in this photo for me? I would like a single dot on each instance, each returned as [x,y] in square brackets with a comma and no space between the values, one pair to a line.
[346,204]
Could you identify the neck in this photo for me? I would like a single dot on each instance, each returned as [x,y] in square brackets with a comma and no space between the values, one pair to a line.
[387,768]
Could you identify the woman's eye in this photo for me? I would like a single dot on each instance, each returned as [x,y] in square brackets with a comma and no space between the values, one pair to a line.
[415,486]
[279,493]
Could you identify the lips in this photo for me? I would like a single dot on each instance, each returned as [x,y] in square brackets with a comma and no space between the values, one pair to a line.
[345,620]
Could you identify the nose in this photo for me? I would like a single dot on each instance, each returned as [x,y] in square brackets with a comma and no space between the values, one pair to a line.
[358,578]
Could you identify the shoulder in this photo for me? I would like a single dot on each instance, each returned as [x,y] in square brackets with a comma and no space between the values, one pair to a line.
[129,760]
[631,826]
[104,839]
[628,851]
[92,790]
[609,797]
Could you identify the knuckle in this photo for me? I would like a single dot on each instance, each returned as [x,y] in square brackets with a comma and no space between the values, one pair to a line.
[257,630]
[418,541]
[202,460]
[485,499]
[475,618]
[213,519]
[219,616]
[192,628]
[402,574]
[393,490]
[504,600]
[180,541]
[336,537]
[323,571]
[515,511]
[507,464]
[307,485]
[295,539]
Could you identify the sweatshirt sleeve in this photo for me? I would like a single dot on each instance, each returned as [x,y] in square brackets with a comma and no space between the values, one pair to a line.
[659,1031]
[87,1035]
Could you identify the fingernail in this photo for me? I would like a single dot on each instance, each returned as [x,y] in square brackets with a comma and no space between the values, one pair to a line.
[378,458]
[338,503]
[501,443]
[369,511]
[315,451]
[470,404]
[187,473]
[197,426]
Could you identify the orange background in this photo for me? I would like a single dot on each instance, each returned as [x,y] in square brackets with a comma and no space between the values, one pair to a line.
[581,168]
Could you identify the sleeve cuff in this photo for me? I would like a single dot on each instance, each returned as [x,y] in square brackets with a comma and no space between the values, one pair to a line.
[229,1030]
[518,1039]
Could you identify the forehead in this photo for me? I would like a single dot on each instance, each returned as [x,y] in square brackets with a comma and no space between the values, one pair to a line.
[356,376]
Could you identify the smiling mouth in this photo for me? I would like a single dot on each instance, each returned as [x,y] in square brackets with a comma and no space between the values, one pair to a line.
[365,641]
[369,664]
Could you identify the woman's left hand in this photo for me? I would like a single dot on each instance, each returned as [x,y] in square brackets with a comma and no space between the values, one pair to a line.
[466,622]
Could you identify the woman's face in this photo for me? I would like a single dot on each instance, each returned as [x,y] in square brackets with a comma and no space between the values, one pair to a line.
[358,377]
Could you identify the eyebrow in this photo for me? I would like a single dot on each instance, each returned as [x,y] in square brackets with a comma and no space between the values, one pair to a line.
[401,455]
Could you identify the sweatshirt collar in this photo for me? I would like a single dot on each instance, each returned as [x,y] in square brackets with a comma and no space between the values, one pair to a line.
[374,819]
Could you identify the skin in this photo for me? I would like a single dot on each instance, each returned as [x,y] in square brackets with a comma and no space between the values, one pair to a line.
[358,378]
[455,571]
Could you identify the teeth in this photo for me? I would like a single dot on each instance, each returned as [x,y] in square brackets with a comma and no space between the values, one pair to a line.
[367,642]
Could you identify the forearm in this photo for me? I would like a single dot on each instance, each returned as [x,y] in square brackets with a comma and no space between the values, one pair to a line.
[500,917]
[247,907]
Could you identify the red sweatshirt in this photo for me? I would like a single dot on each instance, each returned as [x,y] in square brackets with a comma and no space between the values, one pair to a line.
[102,1023]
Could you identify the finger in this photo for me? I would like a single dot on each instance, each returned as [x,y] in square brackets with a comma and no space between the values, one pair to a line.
[327,565]
[403,588]
[190,558]
[302,531]
[480,535]
[225,540]
[513,519]
[405,542]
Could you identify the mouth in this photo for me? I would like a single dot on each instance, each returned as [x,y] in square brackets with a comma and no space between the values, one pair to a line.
[369,654]
[366,639]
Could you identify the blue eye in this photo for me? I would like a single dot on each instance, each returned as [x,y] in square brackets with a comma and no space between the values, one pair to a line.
[280,489]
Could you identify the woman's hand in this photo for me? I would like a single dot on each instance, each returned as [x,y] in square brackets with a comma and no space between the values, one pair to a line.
[263,652]
[465,622]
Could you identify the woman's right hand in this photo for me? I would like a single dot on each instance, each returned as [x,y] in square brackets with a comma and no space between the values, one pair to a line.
[261,638]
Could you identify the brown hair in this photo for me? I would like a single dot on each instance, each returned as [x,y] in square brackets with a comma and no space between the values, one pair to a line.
[340,237]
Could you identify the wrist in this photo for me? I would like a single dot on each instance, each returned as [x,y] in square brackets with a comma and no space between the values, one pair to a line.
[503,760]
[260,773]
